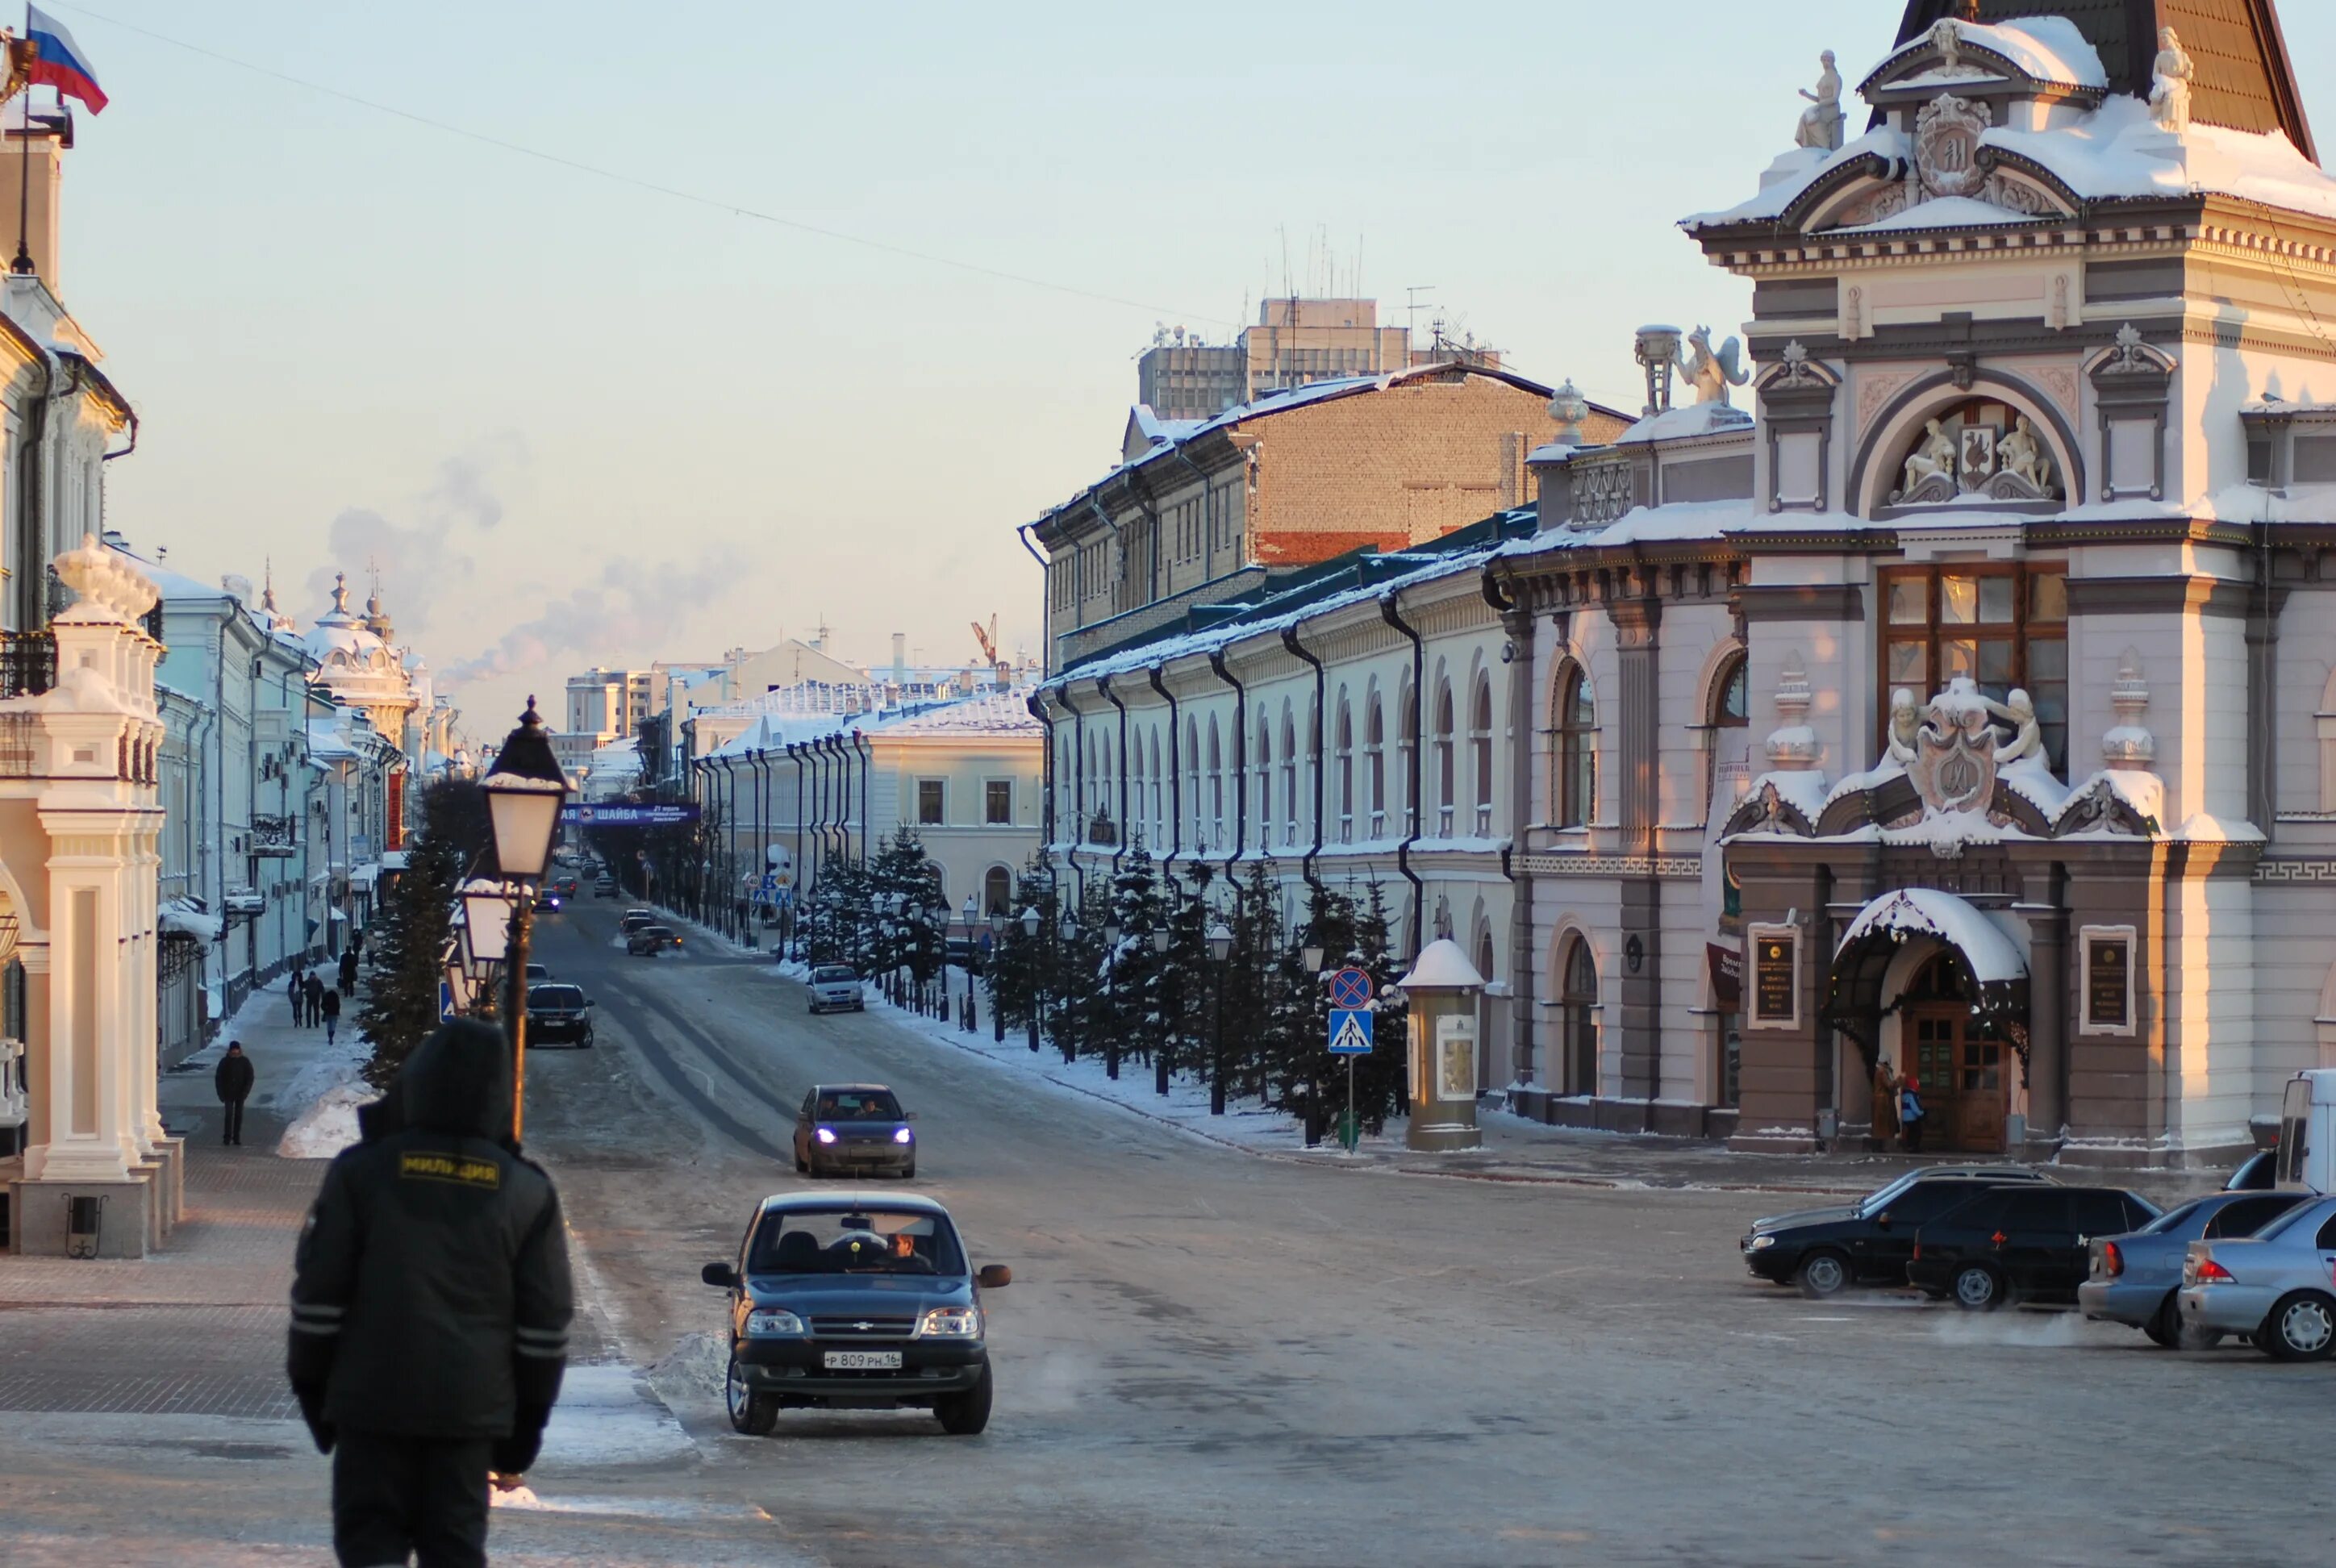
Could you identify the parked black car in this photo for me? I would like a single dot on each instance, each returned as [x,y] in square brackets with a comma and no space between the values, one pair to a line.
[2021,1244]
[856,1302]
[1881,1197]
[1834,1249]
[558,1012]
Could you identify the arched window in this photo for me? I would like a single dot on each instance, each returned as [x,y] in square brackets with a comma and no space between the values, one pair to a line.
[1345,774]
[997,892]
[1216,786]
[1314,769]
[1375,764]
[1264,783]
[1445,785]
[1192,783]
[1289,778]
[1729,715]
[1480,746]
[1578,1001]
[1406,730]
[1152,779]
[1575,753]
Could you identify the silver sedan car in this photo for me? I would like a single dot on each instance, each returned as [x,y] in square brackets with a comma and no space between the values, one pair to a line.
[2278,1285]
[2133,1280]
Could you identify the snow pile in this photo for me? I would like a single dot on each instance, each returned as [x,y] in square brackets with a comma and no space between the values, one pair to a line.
[695,1369]
[2118,151]
[321,1098]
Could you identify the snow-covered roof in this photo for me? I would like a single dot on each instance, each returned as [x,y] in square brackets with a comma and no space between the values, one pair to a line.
[1942,212]
[1681,519]
[2118,153]
[991,712]
[1987,952]
[186,918]
[1682,424]
[2044,49]
[1795,171]
[1441,966]
[327,741]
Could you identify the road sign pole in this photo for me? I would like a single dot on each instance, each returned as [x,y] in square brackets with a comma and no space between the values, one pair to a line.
[1353,1131]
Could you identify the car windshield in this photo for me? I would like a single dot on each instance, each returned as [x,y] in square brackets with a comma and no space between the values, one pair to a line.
[2174,1219]
[856,1106]
[832,974]
[1874,1202]
[839,1241]
[2288,1221]
[660,933]
[556,997]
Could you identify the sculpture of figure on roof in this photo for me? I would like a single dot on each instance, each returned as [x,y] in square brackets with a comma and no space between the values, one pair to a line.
[1711,375]
[1935,455]
[1947,40]
[2020,452]
[2027,735]
[1820,121]
[1905,719]
[2169,84]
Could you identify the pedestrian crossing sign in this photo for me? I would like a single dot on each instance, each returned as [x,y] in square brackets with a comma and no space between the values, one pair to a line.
[1350,1032]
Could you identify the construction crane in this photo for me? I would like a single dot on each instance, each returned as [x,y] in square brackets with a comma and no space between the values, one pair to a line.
[1002,672]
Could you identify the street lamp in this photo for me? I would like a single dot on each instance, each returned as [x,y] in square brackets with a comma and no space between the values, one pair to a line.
[1161,939]
[996,947]
[972,913]
[1221,947]
[525,790]
[1111,932]
[1030,922]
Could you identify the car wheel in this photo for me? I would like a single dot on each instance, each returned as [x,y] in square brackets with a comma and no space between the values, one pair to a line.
[1824,1273]
[2300,1327]
[908,1172]
[2164,1325]
[750,1413]
[1978,1288]
[965,1415]
[860,1007]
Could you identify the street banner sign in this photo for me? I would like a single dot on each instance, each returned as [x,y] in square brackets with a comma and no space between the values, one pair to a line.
[1350,988]
[1350,1033]
[664,815]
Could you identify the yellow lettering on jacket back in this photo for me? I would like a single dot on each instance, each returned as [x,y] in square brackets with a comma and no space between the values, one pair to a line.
[460,1170]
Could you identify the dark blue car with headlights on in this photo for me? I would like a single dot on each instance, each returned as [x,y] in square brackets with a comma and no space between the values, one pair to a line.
[854,1129]
[856,1301]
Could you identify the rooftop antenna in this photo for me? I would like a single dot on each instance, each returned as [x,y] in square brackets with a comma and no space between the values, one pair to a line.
[1411,307]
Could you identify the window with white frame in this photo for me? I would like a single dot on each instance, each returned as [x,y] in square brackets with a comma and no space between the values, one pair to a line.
[1480,746]
[930,797]
[1446,783]
[1345,774]
[997,801]
[1375,765]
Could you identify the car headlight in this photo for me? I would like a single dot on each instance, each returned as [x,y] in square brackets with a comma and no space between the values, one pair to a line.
[825,1134]
[900,1136]
[1763,1240]
[770,1323]
[950,1323]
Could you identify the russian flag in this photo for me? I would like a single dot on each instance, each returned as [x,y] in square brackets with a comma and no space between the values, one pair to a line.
[58,62]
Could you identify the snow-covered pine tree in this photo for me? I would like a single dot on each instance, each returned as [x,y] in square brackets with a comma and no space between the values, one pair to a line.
[1133,970]
[1382,1079]
[408,947]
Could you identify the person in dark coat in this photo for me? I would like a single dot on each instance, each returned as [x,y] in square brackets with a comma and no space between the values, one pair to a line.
[430,1302]
[298,991]
[329,1003]
[233,1081]
[313,991]
[349,972]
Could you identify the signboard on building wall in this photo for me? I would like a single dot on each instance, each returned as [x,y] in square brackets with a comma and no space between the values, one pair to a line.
[663,815]
[2107,955]
[1725,964]
[1776,977]
[395,837]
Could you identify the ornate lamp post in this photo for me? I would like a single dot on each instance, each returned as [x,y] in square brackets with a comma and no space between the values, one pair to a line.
[1162,939]
[1220,948]
[1037,974]
[1111,934]
[525,790]
[997,951]
[972,914]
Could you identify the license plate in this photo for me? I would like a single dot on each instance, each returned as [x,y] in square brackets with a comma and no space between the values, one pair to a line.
[860,1360]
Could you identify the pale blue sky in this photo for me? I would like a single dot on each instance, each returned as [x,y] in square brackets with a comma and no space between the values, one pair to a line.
[632,427]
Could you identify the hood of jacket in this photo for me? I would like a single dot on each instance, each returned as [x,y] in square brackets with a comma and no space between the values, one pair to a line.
[459,1081]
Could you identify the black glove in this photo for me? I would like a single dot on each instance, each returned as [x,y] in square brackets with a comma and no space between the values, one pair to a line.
[312,1410]
[513,1455]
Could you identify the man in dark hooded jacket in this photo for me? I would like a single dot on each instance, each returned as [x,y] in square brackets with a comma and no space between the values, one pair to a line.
[233,1081]
[430,1309]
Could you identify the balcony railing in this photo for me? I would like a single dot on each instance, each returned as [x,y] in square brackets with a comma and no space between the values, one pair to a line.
[28,663]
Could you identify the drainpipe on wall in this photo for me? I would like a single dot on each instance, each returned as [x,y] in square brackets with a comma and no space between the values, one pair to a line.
[1241,764]
[1103,685]
[795,894]
[833,746]
[859,745]
[1306,866]
[1037,703]
[1078,793]
[1389,613]
[1175,775]
[1518,653]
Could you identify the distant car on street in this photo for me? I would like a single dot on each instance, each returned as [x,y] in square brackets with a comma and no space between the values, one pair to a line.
[559,1012]
[648,941]
[2023,1243]
[564,885]
[854,1127]
[856,1301]
[546,898]
[837,986]
[537,974]
[2137,1279]
[604,887]
[634,919]
[1869,1244]
[2274,1286]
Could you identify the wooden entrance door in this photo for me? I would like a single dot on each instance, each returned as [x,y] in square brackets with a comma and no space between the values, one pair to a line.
[1961,1067]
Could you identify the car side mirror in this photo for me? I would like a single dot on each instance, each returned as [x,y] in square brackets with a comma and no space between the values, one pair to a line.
[720,1274]
[994,1277]
[1882,1220]
[908,1116]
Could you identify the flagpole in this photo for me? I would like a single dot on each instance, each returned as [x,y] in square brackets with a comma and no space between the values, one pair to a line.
[23,262]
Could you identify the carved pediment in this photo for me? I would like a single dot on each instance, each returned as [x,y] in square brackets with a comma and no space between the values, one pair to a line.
[1766,810]
[2098,807]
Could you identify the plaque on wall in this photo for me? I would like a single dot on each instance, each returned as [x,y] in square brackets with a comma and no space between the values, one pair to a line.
[2108,1005]
[1776,977]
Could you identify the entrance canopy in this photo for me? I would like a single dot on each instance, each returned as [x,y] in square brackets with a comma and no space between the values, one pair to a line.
[1993,975]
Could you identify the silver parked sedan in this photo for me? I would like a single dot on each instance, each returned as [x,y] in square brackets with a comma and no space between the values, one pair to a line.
[2278,1285]
[2133,1280]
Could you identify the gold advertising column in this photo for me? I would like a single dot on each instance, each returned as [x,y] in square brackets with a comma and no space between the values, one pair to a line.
[1442,986]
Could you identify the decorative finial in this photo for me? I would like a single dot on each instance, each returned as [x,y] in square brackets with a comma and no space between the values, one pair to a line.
[1792,744]
[341,592]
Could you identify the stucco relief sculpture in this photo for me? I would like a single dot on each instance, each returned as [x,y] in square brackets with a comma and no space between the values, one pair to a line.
[1820,122]
[1955,752]
[2169,85]
[1977,459]
[1711,375]
[1933,459]
[1946,146]
[2022,456]
[2019,710]
[1905,720]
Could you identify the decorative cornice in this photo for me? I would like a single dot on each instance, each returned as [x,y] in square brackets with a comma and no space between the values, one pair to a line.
[1836,601]
[2173,594]
[1593,865]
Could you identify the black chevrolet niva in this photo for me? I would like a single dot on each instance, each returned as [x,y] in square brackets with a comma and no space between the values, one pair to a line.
[856,1301]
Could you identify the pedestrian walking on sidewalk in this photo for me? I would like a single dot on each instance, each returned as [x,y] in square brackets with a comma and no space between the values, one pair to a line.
[233,1081]
[313,991]
[349,972]
[298,991]
[329,1005]
[1885,1102]
[1911,1113]
[430,1309]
